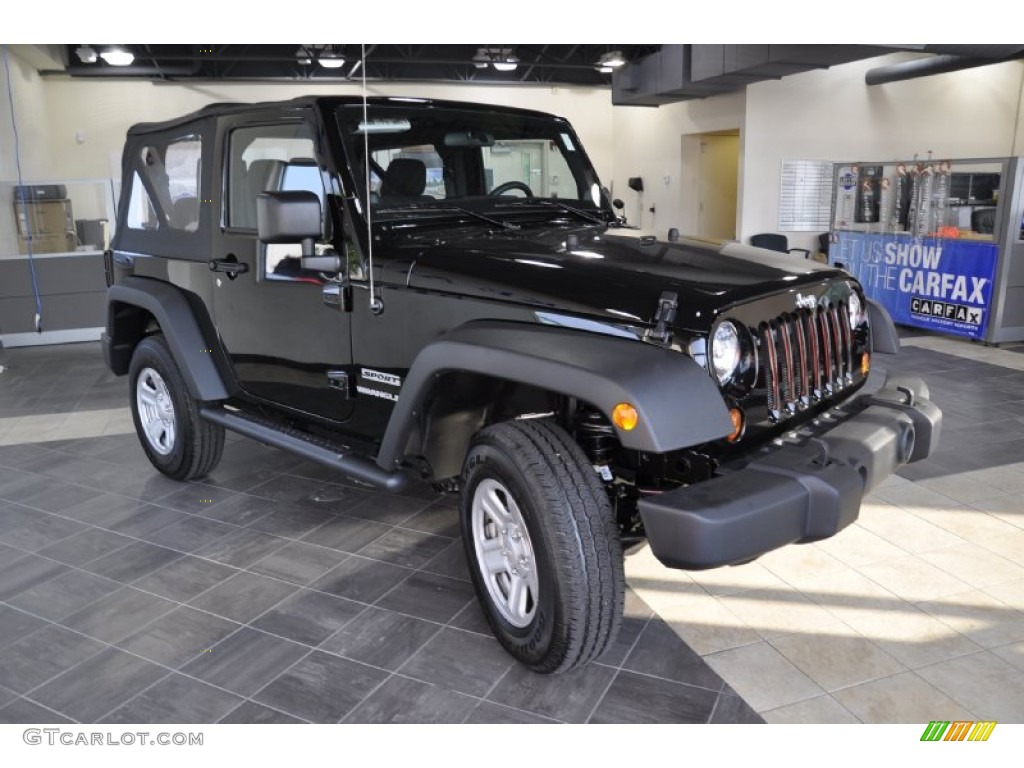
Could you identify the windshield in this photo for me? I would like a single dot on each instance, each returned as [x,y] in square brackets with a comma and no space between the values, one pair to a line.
[432,160]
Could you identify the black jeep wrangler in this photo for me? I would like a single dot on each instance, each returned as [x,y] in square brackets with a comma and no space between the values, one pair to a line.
[406,289]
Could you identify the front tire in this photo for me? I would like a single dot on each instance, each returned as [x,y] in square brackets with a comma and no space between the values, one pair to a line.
[177,441]
[542,545]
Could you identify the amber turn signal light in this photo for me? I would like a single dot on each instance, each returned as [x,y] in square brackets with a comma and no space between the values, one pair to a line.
[625,417]
[865,364]
[736,415]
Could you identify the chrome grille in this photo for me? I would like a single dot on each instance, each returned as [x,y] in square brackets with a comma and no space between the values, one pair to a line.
[805,356]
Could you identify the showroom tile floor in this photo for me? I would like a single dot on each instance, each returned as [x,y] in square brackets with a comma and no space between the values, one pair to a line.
[914,613]
[269,593]
[274,593]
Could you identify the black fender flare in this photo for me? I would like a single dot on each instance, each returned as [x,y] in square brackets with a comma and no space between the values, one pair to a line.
[678,403]
[884,337]
[170,306]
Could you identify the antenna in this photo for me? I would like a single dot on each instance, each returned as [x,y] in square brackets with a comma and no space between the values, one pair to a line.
[376,306]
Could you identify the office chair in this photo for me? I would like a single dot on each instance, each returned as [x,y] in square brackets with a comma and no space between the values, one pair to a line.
[774,242]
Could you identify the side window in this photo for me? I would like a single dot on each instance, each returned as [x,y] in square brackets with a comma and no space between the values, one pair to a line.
[141,214]
[183,166]
[272,158]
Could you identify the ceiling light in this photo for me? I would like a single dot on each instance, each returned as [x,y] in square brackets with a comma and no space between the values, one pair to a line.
[302,56]
[86,54]
[331,60]
[505,63]
[117,56]
[482,58]
[604,70]
[613,59]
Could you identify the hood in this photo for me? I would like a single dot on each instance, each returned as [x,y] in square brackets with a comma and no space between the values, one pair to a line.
[616,275]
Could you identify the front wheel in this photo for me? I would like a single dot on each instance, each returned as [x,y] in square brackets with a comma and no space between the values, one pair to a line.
[542,544]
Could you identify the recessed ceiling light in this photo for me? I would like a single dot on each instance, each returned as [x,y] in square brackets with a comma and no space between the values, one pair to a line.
[505,63]
[330,60]
[86,54]
[117,56]
[613,59]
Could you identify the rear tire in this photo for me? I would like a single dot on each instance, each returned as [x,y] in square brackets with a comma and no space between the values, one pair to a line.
[542,545]
[177,441]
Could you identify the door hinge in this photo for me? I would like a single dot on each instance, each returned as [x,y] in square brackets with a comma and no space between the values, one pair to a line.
[338,295]
[342,382]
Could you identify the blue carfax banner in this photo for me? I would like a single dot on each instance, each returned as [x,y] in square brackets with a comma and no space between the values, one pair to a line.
[939,284]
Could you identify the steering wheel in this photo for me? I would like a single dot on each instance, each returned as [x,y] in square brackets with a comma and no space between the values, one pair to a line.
[508,186]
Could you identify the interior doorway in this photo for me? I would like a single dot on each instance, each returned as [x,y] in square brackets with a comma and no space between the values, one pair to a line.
[711,174]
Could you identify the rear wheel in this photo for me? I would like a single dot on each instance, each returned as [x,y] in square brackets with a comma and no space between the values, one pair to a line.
[542,544]
[176,439]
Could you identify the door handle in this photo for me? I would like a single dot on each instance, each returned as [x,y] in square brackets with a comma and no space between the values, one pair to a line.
[231,266]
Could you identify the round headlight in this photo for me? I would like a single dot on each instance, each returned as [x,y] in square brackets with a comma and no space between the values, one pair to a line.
[725,351]
[856,309]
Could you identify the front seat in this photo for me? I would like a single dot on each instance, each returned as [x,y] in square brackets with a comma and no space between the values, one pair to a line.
[404,181]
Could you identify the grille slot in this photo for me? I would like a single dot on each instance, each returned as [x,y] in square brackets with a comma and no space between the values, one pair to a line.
[806,356]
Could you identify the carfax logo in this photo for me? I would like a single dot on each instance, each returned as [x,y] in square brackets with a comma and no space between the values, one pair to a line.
[958,730]
[962,313]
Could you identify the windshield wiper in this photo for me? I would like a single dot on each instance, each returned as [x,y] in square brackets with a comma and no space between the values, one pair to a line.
[481,216]
[570,209]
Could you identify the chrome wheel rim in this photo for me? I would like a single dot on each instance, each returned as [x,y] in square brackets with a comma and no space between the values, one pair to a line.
[504,553]
[156,411]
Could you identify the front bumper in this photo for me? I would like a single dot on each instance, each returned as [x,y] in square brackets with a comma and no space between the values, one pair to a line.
[807,486]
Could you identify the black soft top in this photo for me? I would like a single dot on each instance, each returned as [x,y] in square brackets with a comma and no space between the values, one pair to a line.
[326,102]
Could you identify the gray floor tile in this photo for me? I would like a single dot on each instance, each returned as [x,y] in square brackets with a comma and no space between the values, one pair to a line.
[240,509]
[27,712]
[176,699]
[57,496]
[145,520]
[348,534]
[60,597]
[661,652]
[195,498]
[460,661]
[430,597]
[178,637]
[132,562]
[25,573]
[360,579]
[117,615]
[298,563]
[450,562]
[189,534]
[401,700]
[488,713]
[637,699]
[243,597]
[6,696]
[309,617]
[246,661]
[321,688]
[440,518]
[381,638]
[185,578]
[291,522]
[389,509]
[103,509]
[629,630]
[33,530]
[242,547]
[472,619]
[93,688]
[732,709]
[9,554]
[570,697]
[15,624]
[411,549]
[327,498]
[86,546]
[256,714]
[36,658]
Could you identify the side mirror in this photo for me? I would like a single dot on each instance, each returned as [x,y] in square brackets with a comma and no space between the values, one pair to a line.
[293,217]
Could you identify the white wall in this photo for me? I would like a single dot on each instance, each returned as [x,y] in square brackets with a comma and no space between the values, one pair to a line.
[833,115]
[101,112]
[648,144]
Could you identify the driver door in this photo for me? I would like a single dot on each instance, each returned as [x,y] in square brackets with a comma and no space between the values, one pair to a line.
[289,343]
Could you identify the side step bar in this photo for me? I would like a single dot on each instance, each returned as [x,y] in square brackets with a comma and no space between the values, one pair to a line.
[310,447]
